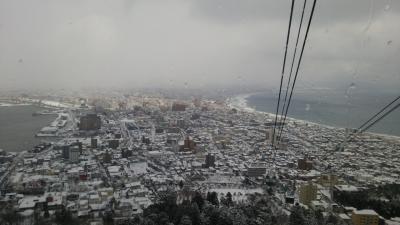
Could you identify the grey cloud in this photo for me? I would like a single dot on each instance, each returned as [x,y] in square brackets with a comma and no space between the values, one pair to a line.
[131,43]
[328,11]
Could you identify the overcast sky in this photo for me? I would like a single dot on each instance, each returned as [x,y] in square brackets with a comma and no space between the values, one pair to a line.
[194,43]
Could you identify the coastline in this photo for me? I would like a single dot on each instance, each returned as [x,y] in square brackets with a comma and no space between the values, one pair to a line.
[6,104]
[19,126]
[40,102]
[240,102]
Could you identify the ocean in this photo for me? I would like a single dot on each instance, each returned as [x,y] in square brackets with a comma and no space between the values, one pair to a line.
[18,127]
[348,108]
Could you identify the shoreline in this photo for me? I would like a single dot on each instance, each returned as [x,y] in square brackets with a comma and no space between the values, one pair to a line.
[240,102]
[31,138]
[7,104]
[40,102]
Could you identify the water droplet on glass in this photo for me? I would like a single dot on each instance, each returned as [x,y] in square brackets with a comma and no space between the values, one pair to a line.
[389,42]
[387,7]
[352,85]
[308,107]
[349,89]
[20,61]
[170,81]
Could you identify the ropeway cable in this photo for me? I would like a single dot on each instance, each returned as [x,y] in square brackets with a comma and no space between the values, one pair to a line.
[291,68]
[283,71]
[299,62]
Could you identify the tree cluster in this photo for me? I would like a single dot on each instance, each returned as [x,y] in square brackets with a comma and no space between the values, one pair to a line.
[385,200]
[211,210]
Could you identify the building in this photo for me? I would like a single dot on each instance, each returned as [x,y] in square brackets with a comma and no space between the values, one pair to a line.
[178,107]
[68,149]
[341,191]
[65,151]
[305,164]
[74,153]
[188,144]
[93,142]
[195,116]
[146,140]
[180,123]
[256,170]
[79,145]
[307,193]
[90,122]
[283,145]
[289,197]
[126,153]
[328,180]
[113,143]
[365,217]
[107,157]
[210,160]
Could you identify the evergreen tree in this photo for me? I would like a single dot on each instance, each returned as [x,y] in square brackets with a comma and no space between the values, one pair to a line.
[64,217]
[297,216]
[198,199]
[181,184]
[229,199]
[10,217]
[213,198]
[225,217]
[319,217]
[185,220]
[195,214]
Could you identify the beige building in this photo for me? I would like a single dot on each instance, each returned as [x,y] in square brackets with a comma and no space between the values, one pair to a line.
[328,180]
[365,217]
[307,193]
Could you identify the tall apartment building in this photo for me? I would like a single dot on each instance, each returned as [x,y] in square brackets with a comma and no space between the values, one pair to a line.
[90,122]
[365,217]
[307,193]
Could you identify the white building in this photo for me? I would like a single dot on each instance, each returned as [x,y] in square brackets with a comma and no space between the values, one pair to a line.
[74,154]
